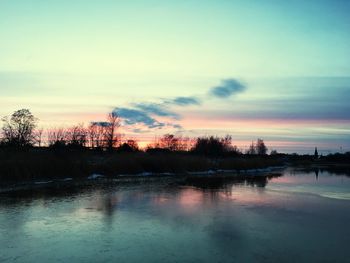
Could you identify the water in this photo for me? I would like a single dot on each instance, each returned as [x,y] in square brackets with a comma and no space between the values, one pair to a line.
[297,217]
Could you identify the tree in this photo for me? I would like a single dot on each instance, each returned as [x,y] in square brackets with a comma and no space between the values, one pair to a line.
[261,148]
[96,133]
[214,146]
[170,142]
[274,152]
[252,149]
[38,136]
[111,137]
[77,136]
[103,134]
[129,146]
[57,138]
[18,130]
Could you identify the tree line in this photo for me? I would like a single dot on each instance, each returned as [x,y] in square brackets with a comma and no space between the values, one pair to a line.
[20,130]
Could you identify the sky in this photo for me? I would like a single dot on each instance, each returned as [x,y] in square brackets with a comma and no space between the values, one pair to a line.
[277,70]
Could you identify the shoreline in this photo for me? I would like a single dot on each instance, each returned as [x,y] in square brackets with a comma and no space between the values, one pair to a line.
[95,179]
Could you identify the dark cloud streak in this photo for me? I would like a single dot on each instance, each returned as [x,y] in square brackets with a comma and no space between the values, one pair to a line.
[227,88]
[146,113]
[156,109]
[185,101]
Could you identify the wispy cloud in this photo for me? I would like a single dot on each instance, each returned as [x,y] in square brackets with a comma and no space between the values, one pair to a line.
[158,109]
[185,101]
[134,116]
[147,113]
[227,88]
[100,123]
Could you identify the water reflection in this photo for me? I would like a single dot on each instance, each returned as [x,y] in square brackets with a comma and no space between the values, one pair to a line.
[226,182]
[209,219]
[316,173]
[333,170]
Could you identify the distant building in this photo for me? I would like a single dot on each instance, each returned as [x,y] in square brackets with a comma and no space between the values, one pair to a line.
[316,153]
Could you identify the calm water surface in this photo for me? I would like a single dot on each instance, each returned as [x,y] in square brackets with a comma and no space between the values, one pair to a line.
[297,217]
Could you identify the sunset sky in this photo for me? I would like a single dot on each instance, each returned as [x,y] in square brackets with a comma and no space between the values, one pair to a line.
[279,70]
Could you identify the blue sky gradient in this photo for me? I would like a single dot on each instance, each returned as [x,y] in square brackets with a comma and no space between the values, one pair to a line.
[172,61]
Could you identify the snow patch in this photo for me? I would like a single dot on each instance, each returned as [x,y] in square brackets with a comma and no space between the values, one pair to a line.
[145,174]
[67,179]
[95,176]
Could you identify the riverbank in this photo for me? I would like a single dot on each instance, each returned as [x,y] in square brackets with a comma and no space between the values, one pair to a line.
[39,167]
[43,164]
[210,178]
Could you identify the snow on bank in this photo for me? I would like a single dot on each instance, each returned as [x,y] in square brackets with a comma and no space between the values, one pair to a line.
[67,179]
[245,171]
[203,172]
[95,176]
[208,172]
[146,174]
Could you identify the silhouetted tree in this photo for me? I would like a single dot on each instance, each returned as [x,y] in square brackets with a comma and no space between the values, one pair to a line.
[96,133]
[104,134]
[111,136]
[212,145]
[18,130]
[76,136]
[185,143]
[57,138]
[261,148]
[235,150]
[274,152]
[170,142]
[252,149]
[227,142]
[129,146]
[38,136]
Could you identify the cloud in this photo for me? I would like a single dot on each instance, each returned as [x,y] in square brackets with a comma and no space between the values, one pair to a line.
[177,126]
[227,88]
[138,130]
[146,113]
[156,109]
[100,123]
[185,101]
[134,116]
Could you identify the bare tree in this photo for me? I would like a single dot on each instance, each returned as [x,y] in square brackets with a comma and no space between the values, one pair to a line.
[234,149]
[169,142]
[252,149]
[185,143]
[77,136]
[261,148]
[274,152]
[92,135]
[227,143]
[38,136]
[111,136]
[129,145]
[18,130]
[96,134]
[57,137]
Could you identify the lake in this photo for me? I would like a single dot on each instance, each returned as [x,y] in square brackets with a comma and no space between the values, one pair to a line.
[301,216]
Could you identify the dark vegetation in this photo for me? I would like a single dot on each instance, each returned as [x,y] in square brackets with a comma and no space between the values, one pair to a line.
[27,155]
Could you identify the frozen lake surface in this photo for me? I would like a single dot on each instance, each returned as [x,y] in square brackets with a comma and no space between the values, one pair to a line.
[297,217]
